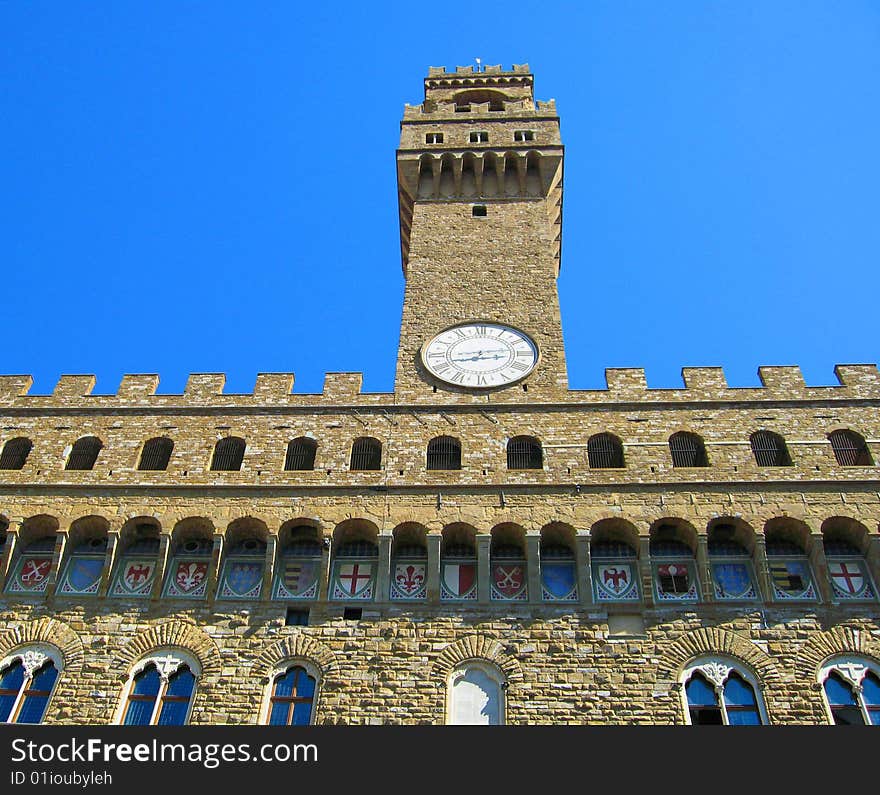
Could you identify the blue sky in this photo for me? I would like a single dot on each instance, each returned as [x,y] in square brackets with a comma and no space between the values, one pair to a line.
[210,187]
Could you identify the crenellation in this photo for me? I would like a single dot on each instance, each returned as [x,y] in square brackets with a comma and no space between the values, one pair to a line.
[203,386]
[136,388]
[14,386]
[710,381]
[73,386]
[626,383]
[786,381]
[273,387]
[342,386]
[862,380]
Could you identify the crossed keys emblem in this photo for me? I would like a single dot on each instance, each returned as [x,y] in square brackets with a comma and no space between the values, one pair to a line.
[508,579]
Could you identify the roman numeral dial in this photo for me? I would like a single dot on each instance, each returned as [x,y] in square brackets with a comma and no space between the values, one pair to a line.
[480,355]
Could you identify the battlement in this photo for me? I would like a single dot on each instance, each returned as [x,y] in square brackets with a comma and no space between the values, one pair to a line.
[701,384]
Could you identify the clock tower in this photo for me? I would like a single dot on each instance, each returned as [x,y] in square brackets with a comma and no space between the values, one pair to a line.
[479,173]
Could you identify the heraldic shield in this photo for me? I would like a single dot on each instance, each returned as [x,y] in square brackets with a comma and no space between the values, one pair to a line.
[791,579]
[849,580]
[458,581]
[509,582]
[188,578]
[354,580]
[32,575]
[409,581]
[134,577]
[242,579]
[297,579]
[615,582]
[733,581]
[83,576]
[559,581]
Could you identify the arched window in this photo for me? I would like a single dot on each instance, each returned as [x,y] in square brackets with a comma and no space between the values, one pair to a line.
[156,454]
[850,449]
[228,454]
[27,679]
[15,453]
[852,691]
[717,692]
[444,452]
[160,690]
[687,450]
[769,449]
[476,695]
[292,698]
[84,453]
[524,452]
[366,454]
[605,451]
[300,455]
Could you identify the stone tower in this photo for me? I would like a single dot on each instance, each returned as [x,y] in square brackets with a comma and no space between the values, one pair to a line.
[479,174]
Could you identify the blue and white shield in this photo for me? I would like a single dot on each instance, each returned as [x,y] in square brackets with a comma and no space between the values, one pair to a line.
[83,576]
[242,579]
[732,581]
[559,581]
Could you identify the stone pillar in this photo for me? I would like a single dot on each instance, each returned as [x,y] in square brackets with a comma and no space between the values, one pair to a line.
[214,567]
[57,559]
[9,550]
[533,566]
[324,573]
[161,564]
[433,541]
[872,559]
[645,571]
[584,567]
[109,557]
[762,569]
[816,553]
[383,575]
[704,572]
[269,567]
[484,582]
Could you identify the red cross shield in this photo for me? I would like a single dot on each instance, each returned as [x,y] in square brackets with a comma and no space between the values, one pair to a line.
[847,577]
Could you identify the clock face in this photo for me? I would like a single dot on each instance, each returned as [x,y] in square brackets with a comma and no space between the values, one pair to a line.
[480,355]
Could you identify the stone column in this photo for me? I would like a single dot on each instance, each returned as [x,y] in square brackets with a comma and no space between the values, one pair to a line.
[57,559]
[533,566]
[762,569]
[324,573]
[584,567]
[872,559]
[214,567]
[433,541]
[704,572]
[109,557]
[269,567]
[383,575]
[9,550]
[484,582]
[645,571]
[161,564]
[816,553]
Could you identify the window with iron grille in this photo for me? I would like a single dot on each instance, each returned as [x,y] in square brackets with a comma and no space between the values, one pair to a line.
[850,449]
[769,449]
[687,450]
[156,454]
[366,453]
[444,452]
[15,453]
[228,454]
[84,453]
[300,454]
[524,452]
[605,451]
